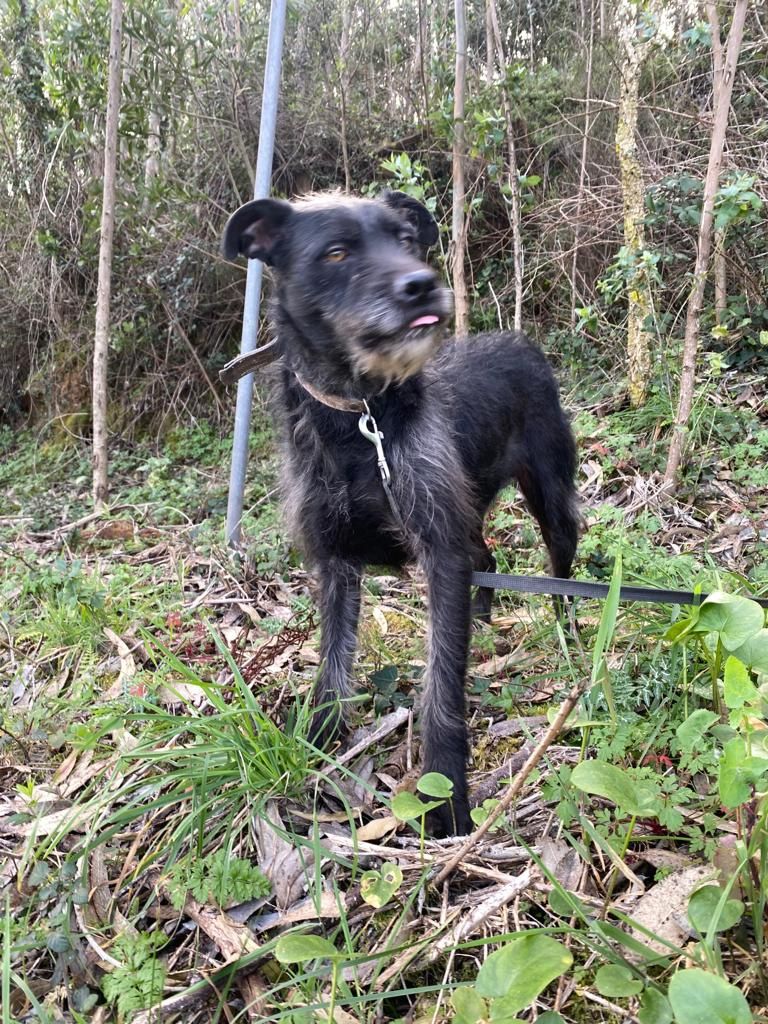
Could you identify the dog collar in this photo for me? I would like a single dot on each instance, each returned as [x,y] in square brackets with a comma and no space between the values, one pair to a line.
[369,429]
[332,401]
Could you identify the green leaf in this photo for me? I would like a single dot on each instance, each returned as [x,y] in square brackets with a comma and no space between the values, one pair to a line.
[297,949]
[654,1008]
[550,1017]
[693,728]
[378,887]
[738,773]
[755,651]
[435,784]
[639,799]
[698,997]
[468,1006]
[503,1012]
[600,674]
[617,982]
[738,687]
[522,969]
[705,911]
[407,807]
[735,618]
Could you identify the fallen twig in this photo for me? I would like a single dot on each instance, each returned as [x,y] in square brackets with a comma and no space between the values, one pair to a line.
[516,787]
[469,923]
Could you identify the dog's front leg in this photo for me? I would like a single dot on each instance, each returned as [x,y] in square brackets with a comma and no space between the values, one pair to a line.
[339,611]
[443,719]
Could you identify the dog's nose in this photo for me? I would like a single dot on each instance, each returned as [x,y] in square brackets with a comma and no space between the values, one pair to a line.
[415,286]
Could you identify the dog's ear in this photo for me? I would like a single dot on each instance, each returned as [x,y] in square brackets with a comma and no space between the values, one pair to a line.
[415,213]
[256,229]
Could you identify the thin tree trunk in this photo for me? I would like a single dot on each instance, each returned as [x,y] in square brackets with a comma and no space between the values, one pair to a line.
[458,222]
[513,177]
[346,24]
[722,101]
[152,163]
[422,45]
[718,255]
[103,294]
[489,62]
[633,199]
[583,167]
[721,277]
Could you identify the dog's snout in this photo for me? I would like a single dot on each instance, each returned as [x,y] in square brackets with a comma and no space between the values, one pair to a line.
[415,286]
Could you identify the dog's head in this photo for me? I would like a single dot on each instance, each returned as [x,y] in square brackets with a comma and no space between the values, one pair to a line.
[351,276]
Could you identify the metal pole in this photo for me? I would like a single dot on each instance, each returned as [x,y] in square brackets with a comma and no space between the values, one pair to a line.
[261,187]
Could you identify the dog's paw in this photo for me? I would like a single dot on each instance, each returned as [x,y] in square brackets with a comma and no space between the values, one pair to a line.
[328,727]
[451,819]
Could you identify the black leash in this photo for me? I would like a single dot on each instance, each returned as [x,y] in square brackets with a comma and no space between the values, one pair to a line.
[492,580]
[579,588]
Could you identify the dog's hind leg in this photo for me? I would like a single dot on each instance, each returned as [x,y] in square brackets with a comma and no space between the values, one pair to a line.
[443,720]
[339,612]
[546,480]
[482,561]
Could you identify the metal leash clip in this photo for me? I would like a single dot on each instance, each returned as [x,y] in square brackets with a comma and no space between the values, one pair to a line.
[369,429]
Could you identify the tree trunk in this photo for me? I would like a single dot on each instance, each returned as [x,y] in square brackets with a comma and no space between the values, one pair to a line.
[515,218]
[583,167]
[103,294]
[722,103]
[721,277]
[489,42]
[458,221]
[343,72]
[152,163]
[718,255]
[633,199]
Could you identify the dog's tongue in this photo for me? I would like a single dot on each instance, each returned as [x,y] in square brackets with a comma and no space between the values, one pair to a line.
[424,321]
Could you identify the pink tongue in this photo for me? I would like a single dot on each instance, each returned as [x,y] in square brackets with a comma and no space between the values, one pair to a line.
[424,321]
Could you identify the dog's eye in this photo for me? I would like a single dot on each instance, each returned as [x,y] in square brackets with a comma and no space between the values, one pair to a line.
[336,255]
[406,238]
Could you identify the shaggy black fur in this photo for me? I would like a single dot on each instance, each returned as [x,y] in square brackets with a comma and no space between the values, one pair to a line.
[359,315]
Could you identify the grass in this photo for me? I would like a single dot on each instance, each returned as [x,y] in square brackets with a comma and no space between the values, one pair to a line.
[155,768]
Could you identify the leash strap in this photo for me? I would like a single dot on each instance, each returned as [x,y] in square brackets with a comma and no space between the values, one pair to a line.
[580,588]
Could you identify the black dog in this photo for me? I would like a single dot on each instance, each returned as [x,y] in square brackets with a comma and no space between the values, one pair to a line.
[395,445]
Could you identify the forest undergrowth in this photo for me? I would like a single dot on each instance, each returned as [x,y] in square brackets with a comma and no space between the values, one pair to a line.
[173,848]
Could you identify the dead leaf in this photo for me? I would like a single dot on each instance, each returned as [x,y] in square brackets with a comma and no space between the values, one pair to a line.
[381,620]
[287,867]
[663,908]
[562,862]
[666,858]
[377,828]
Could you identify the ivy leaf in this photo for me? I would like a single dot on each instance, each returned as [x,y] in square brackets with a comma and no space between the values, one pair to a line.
[738,688]
[617,982]
[734,618]
[468,1006]
[692,730]
[378,887]
[435,784]
[297,949]
[698,997]
[654,1008]
[598,778]
[407,807]
[738,773]
[522,969]
[703,910]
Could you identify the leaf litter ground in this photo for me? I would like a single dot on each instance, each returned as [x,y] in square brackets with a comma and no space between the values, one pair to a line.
[156,697]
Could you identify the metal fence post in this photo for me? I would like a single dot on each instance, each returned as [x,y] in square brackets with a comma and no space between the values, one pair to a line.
[261,188]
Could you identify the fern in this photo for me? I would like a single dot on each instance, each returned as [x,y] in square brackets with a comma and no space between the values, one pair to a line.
[219,879]
[139,983]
